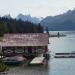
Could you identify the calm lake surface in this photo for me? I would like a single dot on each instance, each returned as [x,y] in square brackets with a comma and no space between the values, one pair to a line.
[56,66]
[63,66]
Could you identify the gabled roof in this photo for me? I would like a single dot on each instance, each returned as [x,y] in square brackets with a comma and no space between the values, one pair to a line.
[27,39]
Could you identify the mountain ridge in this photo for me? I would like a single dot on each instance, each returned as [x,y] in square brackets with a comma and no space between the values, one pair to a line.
[65,21]
[25,18]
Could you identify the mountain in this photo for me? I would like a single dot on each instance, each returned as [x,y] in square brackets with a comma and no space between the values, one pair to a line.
[25,18]
[62,22]
[28,18]
[7,16]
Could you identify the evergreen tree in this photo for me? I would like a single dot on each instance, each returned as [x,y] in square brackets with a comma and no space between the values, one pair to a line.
[18,26]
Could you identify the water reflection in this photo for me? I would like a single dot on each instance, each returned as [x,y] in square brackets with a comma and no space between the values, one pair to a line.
[30,70]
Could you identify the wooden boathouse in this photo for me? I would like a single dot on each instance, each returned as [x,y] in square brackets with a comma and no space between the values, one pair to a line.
[27,44]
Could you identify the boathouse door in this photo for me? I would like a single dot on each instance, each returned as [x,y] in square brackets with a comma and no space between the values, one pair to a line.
[30,50]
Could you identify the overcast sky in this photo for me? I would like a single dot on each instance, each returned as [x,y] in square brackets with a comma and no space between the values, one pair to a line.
[38,8]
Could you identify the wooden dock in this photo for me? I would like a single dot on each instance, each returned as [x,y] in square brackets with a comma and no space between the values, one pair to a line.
[64,55]
[37,61]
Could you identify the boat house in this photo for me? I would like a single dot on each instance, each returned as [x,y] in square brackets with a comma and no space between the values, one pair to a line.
[26,44]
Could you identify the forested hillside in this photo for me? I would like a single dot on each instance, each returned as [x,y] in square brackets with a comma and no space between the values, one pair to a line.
[18,26]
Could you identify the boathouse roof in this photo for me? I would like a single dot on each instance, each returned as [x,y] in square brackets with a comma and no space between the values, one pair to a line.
[27,39]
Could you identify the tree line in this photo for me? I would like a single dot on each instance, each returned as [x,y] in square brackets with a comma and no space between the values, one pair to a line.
[18,26]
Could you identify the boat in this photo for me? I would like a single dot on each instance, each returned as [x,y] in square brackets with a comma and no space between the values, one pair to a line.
[13,61]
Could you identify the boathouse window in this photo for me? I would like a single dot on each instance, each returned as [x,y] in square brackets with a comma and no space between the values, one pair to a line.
[40,49]
[19,50]
[7,50]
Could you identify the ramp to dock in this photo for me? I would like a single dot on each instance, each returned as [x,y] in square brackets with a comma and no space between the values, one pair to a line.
[37,60]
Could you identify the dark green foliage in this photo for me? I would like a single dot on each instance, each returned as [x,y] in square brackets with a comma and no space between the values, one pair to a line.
[18,26]
[3,67]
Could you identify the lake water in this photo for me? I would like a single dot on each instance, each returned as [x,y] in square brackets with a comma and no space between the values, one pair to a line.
[63,44]
[56,66]
[63,66]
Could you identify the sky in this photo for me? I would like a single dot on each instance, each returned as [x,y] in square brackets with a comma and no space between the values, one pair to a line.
[37,8]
